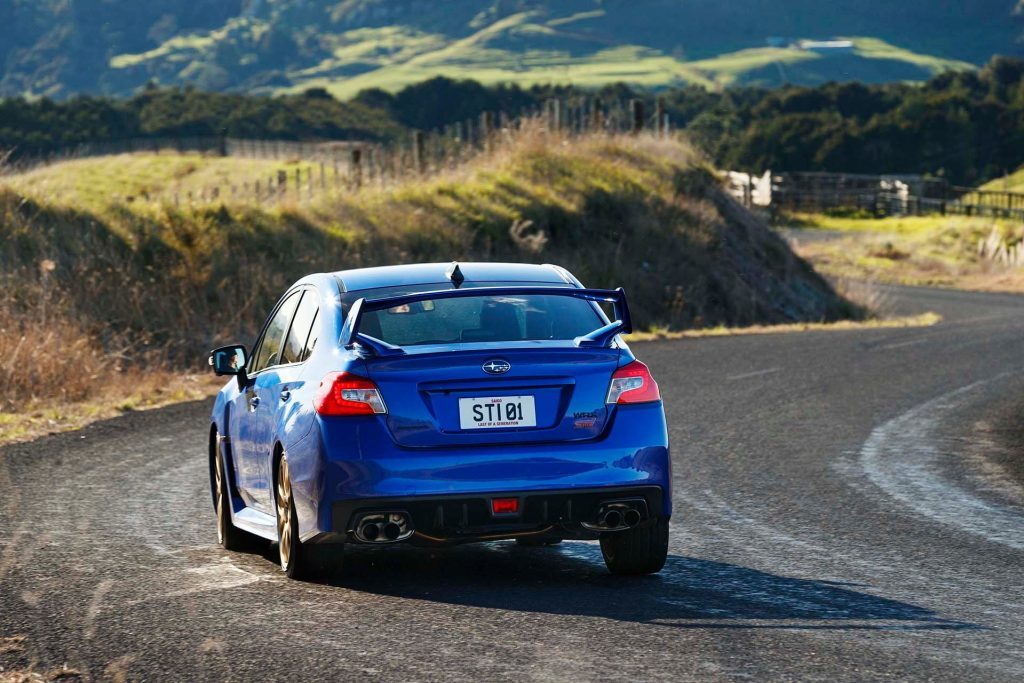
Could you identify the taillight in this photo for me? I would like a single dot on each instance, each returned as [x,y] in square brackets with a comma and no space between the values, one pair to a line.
[342,393]
[633,383]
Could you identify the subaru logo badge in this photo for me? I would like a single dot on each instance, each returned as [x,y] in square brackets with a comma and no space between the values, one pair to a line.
[497,367]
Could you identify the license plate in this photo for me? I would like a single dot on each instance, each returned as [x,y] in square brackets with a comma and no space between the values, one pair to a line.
[496,412]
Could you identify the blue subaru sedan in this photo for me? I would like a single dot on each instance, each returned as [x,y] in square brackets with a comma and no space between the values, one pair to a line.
[439,404]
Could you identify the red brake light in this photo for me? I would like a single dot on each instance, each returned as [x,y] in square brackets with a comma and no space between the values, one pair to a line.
[342,393]
[504,506]
[633,383]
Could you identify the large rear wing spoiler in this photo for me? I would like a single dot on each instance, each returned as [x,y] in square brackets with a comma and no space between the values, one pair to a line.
[600,337]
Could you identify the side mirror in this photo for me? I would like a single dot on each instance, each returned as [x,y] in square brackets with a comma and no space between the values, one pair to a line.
[228,360]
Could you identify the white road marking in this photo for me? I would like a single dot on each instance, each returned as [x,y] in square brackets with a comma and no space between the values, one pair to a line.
[749,375]
[95,605]
[902,456]
[900,345]
[217,576]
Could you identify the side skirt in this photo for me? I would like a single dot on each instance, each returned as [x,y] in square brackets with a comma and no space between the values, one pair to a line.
[245,518]
[257,523]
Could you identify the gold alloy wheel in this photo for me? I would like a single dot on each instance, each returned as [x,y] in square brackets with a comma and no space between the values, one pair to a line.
[284,513]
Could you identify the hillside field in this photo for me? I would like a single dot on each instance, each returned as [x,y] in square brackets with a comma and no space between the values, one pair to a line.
[117,46]
[1013,182]
[98,183]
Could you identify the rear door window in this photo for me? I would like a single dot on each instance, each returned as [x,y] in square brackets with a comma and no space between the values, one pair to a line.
[269,353]
[314,334]
[302,322]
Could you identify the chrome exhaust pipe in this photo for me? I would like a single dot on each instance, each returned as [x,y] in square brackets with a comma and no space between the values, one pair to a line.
[618,515]
[383,527]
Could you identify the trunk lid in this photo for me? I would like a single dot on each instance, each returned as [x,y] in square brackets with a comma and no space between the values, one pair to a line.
[435,393]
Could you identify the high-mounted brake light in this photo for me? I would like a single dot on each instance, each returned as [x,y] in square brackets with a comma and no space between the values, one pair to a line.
[342,393]
[633,383]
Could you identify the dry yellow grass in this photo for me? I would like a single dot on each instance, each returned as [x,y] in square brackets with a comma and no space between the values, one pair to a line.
[922,320]
[120,393]
[928,250]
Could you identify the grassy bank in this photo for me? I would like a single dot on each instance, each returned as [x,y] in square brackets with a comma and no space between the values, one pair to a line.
[100,184]
[100,292]
[915,250]
[1013,182]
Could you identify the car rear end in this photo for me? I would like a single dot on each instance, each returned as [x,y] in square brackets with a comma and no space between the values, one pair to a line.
[487,413]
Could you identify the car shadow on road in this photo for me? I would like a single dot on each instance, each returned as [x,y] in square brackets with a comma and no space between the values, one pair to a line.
[571,579]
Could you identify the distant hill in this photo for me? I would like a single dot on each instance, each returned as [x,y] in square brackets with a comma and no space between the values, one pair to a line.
[62,47]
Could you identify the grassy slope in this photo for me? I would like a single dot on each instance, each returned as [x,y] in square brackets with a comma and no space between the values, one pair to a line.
[925,250]
[148,284]
[533,48]
[119,45]
[634,64]
[1013,182]
[97,183]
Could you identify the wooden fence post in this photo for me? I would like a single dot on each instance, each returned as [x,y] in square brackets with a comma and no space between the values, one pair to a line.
[418,161]
[659,117]
[356,167]
[637,109]
[596,115]
[487,129]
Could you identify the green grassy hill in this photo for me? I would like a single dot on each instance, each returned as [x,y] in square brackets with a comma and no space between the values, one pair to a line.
[96,183]
[1013,182]
[115,46]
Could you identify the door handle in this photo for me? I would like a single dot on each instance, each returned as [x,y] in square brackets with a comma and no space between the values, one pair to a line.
[254,401]
[285,395]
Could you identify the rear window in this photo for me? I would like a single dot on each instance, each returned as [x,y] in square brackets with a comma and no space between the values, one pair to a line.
[531,317]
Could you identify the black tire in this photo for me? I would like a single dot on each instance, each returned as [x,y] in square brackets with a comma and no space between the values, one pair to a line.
[228,535]
[537,541]
[641,550]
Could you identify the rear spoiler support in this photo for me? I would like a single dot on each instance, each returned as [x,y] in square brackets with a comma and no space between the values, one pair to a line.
[601,337]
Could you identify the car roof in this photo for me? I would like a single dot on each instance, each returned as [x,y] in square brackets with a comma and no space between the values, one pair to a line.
[437,273]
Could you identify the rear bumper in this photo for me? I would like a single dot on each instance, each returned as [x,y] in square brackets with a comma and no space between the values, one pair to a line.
[361,465]
[460,518]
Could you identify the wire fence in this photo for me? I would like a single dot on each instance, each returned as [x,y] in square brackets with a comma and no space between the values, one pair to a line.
[315,167]
[877,195]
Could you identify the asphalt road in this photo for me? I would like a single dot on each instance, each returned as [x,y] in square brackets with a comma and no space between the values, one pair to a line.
[849,506]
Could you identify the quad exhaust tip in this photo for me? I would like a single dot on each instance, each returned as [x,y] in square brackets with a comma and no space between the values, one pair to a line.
[618,515]
[383,527]
[612,519]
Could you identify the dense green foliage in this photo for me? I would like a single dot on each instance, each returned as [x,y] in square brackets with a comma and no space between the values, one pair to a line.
[59,48]
[30,128]
[966,127]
